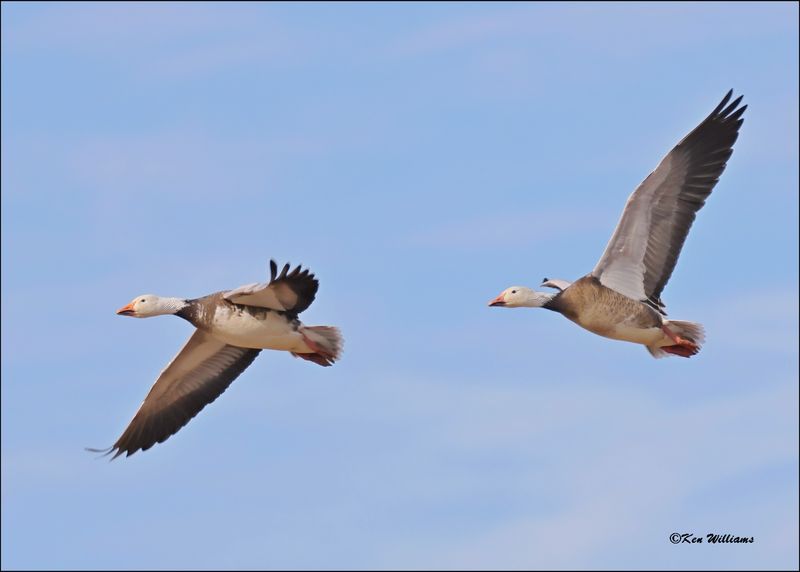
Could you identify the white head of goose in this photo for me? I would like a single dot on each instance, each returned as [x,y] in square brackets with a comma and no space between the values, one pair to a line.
[621,297]
[232,327]
[148,305]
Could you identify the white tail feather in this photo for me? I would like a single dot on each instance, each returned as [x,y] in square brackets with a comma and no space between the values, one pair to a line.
[327,338]
[657,352]
[691,331]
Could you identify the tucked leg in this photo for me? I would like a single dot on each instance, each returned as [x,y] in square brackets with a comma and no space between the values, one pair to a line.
[682,347]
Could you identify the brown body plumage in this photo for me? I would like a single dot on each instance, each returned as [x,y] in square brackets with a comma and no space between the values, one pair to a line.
[604,311]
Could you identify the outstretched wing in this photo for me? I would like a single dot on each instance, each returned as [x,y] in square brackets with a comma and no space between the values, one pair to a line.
[644,248]
[288,291]
[201,372]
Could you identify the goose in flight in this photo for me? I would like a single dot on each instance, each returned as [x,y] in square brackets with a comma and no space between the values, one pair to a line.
[232,327]
[621,297]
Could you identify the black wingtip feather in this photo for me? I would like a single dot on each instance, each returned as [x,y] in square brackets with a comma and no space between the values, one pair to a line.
[722,103]
[299,279]
[731,107]
[103,452]
[737,114]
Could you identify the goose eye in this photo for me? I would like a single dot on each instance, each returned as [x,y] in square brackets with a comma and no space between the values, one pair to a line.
[142,300]
[513,291]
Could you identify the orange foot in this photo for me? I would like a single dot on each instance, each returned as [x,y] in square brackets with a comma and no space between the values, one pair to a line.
[320,355]
[683,349]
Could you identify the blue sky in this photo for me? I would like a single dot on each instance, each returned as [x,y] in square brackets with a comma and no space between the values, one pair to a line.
[419,158]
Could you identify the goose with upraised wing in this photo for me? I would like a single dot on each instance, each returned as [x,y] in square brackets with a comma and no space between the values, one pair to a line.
[621,297]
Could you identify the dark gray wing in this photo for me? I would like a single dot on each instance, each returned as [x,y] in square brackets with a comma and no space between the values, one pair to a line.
[644,248]
[288,291]
[200,373]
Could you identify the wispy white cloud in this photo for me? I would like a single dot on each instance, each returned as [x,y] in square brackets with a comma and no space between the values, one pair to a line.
[176,162]
[160,41]
[453,33]
[635,480]
[510,227]
[521,50]
[761,320]
[613,22]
